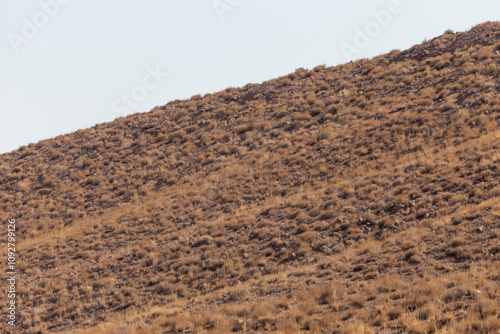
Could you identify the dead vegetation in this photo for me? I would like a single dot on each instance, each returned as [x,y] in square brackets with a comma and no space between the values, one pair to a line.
[361,198]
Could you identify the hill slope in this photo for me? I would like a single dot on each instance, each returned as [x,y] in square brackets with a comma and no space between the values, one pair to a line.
[359,198]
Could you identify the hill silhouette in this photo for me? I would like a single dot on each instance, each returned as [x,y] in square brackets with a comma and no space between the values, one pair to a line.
[359,198]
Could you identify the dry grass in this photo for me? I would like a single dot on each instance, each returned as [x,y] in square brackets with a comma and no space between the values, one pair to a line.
[362,198]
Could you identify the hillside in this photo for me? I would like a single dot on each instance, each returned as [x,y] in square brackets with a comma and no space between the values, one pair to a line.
[361,198]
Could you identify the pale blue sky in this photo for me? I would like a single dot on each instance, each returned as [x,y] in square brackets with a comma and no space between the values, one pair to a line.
[75,68]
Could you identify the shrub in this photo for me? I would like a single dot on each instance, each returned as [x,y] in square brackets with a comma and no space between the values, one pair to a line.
[335,109]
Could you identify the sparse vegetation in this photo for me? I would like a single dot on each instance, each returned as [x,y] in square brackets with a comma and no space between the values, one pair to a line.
[363,198]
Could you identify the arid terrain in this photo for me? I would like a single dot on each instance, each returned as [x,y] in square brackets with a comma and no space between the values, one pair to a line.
[361,198]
